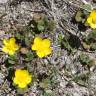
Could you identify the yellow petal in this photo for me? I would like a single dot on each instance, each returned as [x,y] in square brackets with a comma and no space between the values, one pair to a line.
[22,85]
[93,13]
[93,26]
[89,20]
[11,52]
[29,79]
[40,54]
[16,47]
[22,78]
[17,72]
[46,43]
[34,47]
[6,41]
[48,51]
[15,81]
[37,40]
[12,40]
[37,43]
[4,49]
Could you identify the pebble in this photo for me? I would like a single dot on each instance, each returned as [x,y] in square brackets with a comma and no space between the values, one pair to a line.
[3,1]
[1,78]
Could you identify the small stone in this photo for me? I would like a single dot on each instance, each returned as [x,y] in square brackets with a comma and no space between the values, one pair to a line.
[3,1]
[1,78]
[2,33]
[24,50]
[48,91]
[36,16]
[86,46]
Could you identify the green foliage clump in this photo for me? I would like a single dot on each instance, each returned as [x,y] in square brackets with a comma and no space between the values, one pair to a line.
[90,41]
[70,42]
[82,14]
[86,60]
[82,79]
[41,23]
[48,94]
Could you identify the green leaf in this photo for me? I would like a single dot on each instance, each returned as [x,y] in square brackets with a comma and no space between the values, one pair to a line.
[29,56]
[84,59]
[94,34]
[11,61]
[27,41]
[40,28]
[78,17]
[48,94]
[91,38]
[93,46]
[45,83]
[82,78]
[19,36]
[66,44]
[51,25]
[22,90]
[13,57]
[60,37]
[41,25]
[87,7]
[92,63]
[29,67]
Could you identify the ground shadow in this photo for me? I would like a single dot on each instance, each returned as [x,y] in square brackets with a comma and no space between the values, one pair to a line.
[80,25]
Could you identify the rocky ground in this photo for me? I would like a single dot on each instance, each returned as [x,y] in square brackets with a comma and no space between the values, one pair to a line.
[61,73]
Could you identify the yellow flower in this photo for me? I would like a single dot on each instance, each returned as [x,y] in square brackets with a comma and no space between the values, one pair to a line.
[42,47]
[91,20]
[22,78]
[10,46]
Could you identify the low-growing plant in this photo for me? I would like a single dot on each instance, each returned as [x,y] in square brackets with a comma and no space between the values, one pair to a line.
[86,60]
[71,43]
[29,56]
[81,17]
[41,23]
[82,79]
[83,13]
[48,94]
[89,42]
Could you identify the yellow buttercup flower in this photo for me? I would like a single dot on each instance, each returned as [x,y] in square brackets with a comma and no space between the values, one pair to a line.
[22,78]
[42,47]
[10,46]
[91,20]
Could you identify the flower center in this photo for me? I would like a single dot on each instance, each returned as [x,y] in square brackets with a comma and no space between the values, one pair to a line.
[10,47]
